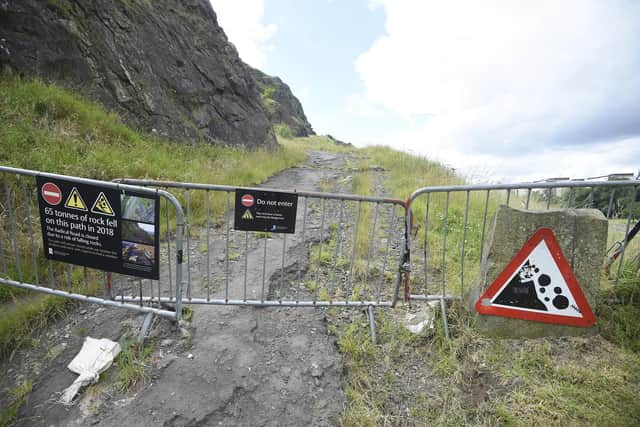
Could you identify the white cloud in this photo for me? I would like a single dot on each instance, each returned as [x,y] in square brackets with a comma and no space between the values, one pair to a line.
[242,23]
[511,84]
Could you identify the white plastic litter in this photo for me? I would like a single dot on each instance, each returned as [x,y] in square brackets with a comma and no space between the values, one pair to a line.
[95,357]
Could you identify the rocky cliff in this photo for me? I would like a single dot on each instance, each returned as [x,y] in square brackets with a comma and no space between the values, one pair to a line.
[282,107]
[164,66]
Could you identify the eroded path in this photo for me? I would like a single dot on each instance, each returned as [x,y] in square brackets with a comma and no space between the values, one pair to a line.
[238,366]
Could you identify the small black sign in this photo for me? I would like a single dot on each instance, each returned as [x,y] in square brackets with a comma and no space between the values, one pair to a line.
[265,211]
[99,227]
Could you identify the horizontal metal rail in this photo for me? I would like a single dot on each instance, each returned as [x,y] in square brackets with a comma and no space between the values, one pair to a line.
[229,188]
[246,268]
[95,300]
[22,225]
[450,231]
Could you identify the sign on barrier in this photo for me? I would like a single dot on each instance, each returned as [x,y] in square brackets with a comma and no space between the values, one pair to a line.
[99,227]
[265,211]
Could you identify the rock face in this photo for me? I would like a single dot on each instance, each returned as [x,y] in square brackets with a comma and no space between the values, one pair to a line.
[282,107]
[582,235]
[162,65]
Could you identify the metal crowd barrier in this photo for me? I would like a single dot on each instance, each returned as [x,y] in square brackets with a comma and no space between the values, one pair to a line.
[446,226]
[344,251]
[23,264]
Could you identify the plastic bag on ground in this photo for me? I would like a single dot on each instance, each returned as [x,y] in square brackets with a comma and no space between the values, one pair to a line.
[95,357]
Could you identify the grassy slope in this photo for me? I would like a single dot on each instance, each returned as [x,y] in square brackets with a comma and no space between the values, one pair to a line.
[50,129]
[472,380]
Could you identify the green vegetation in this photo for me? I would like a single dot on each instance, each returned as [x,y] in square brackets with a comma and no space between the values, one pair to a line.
[50,129]
[132,363]
[266,94]
[283,130]
[19,395]
[469,379]
[472,380]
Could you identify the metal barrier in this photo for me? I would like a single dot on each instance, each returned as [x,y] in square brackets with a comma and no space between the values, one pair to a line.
[23,264]
[343,252]
[448,229]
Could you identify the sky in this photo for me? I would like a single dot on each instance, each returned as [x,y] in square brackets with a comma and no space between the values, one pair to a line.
[502,91]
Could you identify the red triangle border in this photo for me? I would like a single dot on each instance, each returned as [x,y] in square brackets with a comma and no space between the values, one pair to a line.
[546,234]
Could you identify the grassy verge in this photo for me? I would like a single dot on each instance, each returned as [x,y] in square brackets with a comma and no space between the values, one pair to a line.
[50,129]
[132,363]
[472,380]
[19,395]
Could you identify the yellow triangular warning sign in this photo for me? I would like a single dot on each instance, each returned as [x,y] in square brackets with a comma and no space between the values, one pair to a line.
[247,215]
[74,201]
[102,206]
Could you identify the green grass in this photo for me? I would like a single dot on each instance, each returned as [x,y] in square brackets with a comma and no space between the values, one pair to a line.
[472,380]
[47,128]
[19,395]
[133,363]
[407,173]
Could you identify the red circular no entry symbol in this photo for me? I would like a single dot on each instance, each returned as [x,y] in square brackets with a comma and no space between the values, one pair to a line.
[247,200]
[51,193]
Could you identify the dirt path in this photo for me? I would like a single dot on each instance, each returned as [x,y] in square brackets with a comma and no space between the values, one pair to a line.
[239,366]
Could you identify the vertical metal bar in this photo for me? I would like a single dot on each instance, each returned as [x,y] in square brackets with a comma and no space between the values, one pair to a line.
[52,277]
[464,239]
[611,198]
[105,293]
[226,255]
[392,220]
[372,240]
[570,199]
[443,310]
[526,206]
[284,251]
[34,249]
[169,250]
[188,224]
[264,267]
[68,278]
[336,252]
[426,244]
[353,252]
[85,279]
[2,261]
[12,223]
[445,226]
[304,229]
[140,291]
[549,192]
[121,288]
[590,198]
[508,196]
[372,323]
[246,263]
[208,245]
[484,224]
[315,291]
[179,257]
[632,206]
[107,284]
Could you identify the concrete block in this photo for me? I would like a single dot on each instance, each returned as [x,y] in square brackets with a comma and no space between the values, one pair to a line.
[582,235]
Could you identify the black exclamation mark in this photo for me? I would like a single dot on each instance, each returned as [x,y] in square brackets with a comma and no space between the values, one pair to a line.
[75,199]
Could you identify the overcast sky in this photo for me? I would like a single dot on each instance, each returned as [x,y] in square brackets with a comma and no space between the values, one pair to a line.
[500,90]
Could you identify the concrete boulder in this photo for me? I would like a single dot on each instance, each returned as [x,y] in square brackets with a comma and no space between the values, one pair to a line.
[582,235]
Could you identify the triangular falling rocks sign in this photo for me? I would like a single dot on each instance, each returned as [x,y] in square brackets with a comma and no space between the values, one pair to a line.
[538,285]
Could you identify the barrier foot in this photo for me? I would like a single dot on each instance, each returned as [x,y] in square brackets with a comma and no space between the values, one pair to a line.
[372,322]
[146,324]
[443,309]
